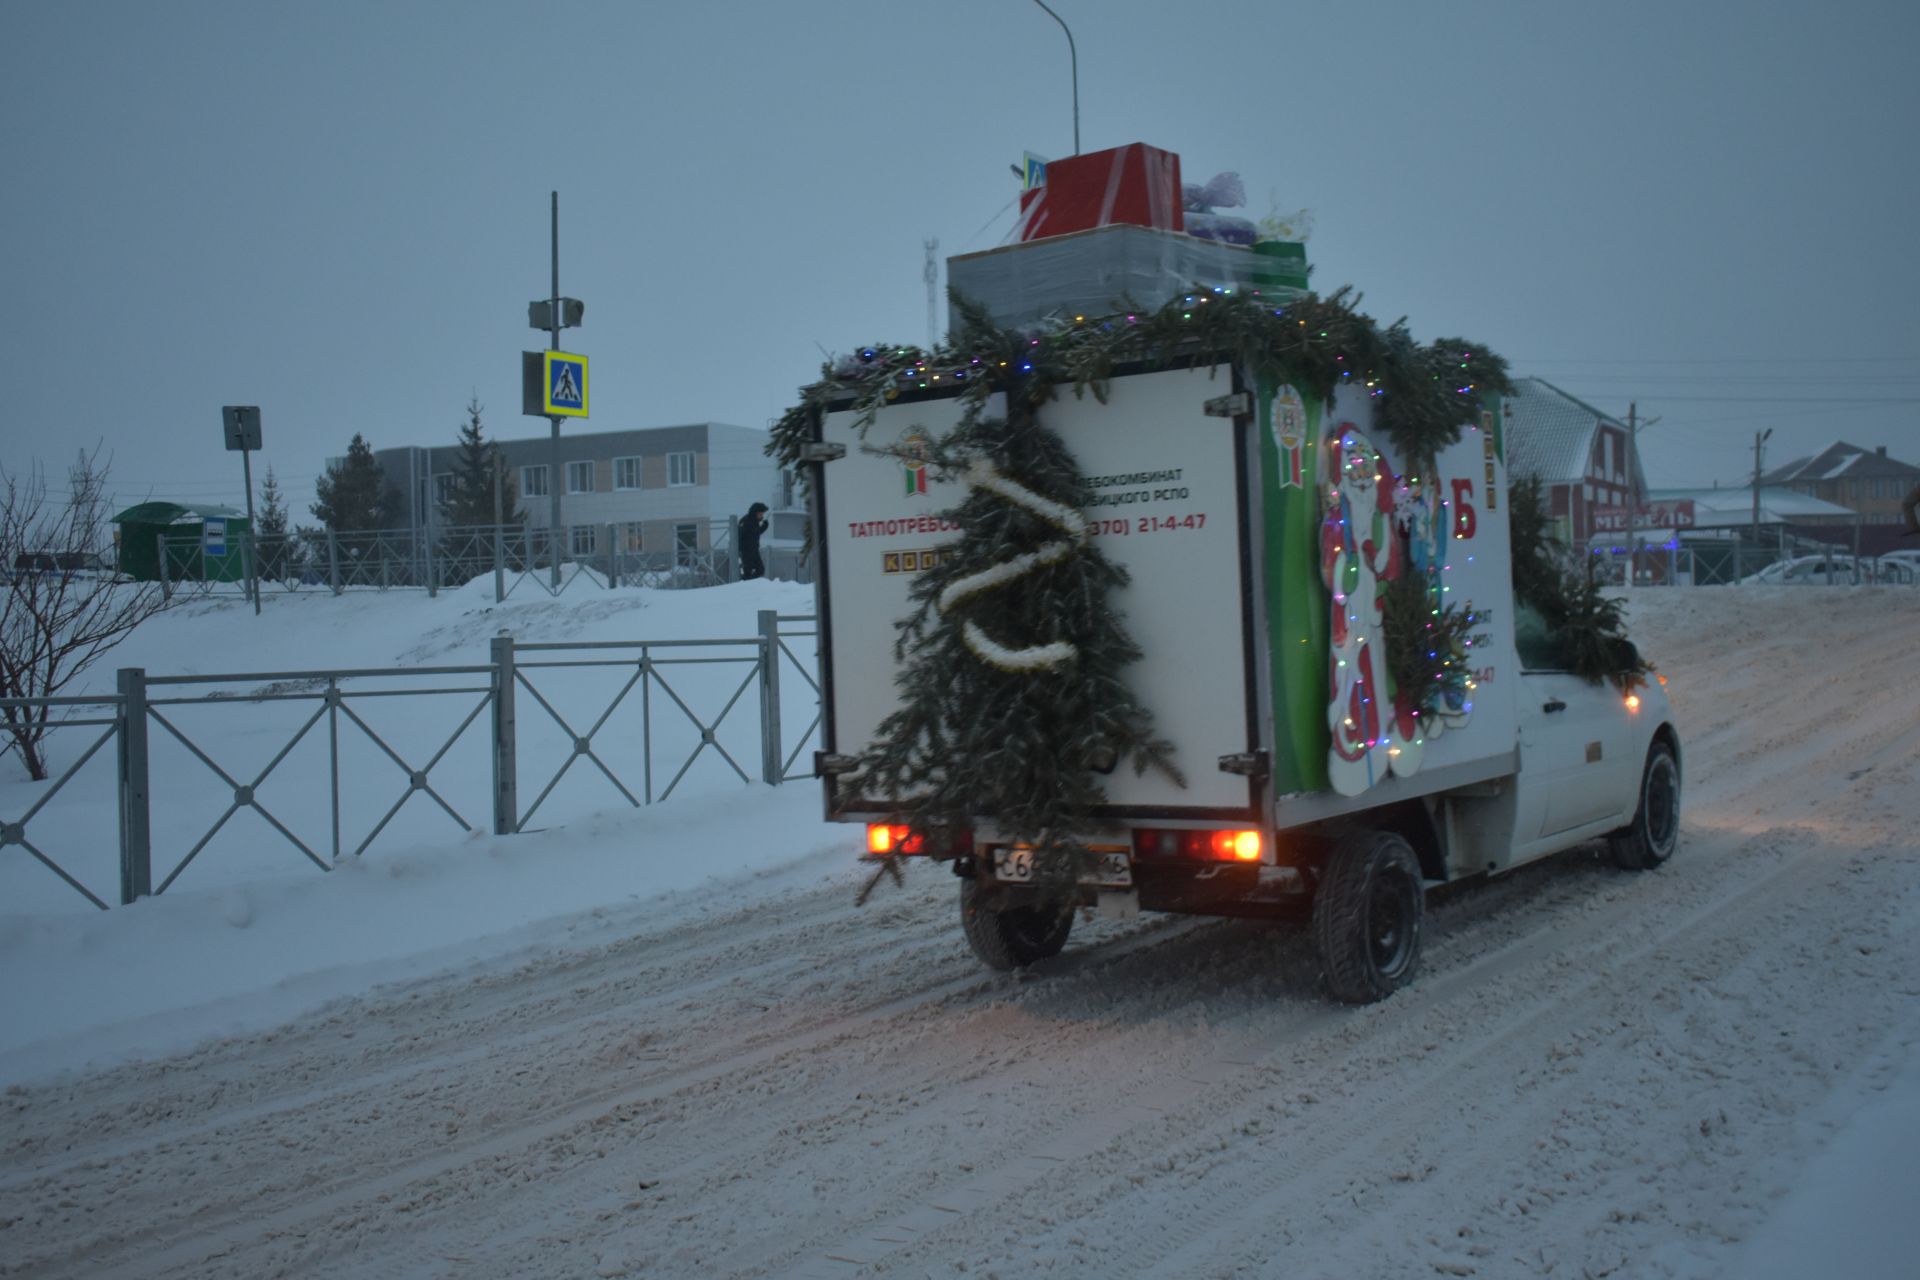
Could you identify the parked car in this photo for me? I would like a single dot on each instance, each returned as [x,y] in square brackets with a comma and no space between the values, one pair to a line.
[1807,571]
[1895,568]
[74,564]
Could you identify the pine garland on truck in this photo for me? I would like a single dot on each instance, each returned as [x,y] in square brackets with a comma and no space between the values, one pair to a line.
[1422,394]
[1585,625]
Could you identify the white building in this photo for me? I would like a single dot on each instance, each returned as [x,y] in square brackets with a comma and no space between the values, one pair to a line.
[652,489]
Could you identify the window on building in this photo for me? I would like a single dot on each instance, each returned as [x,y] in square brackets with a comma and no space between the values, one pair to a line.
[533,481]
[629,535]
[680,469]
[580,477]
[626,473]
[580,540]
[1853,489]
[686,542]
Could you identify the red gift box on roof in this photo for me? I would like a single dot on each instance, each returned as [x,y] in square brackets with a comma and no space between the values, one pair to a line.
[1136,184]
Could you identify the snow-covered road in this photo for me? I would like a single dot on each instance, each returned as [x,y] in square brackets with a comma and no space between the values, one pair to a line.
[1597,1073]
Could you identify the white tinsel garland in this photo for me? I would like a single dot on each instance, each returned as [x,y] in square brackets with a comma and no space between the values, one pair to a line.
[981,475]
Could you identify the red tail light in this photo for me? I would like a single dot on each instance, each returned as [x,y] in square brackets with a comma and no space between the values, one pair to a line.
[898,838]
[1244,846]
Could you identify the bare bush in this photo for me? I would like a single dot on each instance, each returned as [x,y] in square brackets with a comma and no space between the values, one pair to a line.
[65,606]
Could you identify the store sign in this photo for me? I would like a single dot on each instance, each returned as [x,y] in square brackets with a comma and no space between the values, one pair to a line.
[1675,513]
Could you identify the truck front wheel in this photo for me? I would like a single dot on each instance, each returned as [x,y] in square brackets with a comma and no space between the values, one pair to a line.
[1649,839]
[1011,937]
[1367,916]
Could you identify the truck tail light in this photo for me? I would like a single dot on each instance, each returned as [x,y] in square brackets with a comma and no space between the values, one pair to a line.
[885,837]
[1236,846]
[1205,846]
[899,838]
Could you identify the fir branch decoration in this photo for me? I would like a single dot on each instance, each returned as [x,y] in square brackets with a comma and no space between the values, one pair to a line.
[1423,394]
[1426,645]
[1586,626]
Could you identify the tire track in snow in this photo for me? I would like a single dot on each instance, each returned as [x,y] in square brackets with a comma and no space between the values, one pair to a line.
[167,1240]
[1168,1103]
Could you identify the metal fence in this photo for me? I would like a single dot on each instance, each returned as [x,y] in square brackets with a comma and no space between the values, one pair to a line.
[1739,558]
[515,557]
[471,746]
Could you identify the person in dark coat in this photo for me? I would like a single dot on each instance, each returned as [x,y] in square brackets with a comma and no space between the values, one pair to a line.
[752,525]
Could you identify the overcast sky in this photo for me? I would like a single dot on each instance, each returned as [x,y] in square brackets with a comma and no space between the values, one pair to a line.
[339,211]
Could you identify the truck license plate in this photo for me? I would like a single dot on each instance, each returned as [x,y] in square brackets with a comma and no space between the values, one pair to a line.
[1110,869]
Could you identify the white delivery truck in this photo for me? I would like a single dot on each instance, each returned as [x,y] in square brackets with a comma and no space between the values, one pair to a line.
[1258,527]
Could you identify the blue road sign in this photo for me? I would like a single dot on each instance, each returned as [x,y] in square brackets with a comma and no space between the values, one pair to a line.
[566,384]
[213,537]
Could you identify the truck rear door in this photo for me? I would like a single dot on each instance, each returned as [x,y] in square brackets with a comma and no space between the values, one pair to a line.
[1168,502]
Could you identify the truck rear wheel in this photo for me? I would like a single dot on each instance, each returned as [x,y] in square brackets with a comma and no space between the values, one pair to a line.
[1011,937]
[1367,916]
[1650,838]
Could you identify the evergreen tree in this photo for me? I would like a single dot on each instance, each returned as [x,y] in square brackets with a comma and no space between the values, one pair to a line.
[469,499]
[270,539]
[353,495]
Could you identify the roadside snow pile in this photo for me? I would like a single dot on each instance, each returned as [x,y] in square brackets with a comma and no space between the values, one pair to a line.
[253,933]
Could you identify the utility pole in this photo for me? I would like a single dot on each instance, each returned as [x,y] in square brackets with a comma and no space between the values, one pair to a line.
[1759,438]
[931,274]
[553,384]
[1633,491]
[553,454]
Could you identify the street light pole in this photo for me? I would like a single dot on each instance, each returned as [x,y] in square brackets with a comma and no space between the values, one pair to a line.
[1074,55]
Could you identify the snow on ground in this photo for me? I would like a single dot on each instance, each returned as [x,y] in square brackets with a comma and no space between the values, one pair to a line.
[664,1042]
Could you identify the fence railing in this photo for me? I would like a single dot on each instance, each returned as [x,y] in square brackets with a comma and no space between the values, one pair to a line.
[515,557]
[464,746]
[1704,561]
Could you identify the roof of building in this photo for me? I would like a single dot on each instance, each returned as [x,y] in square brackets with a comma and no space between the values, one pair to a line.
[1836,461]
[1725,507]
[1549,433]
[168,512]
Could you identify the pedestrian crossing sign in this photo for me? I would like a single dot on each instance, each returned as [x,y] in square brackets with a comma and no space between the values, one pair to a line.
[566,384]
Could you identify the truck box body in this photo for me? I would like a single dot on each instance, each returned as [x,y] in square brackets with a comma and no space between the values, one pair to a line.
[1221,523]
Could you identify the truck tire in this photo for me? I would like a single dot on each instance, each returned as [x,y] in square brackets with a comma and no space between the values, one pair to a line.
[1649,839]
[1012,937]
[1367,916]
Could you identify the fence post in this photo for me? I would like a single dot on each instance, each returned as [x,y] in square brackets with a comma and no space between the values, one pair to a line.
[333,562]
[499,565]
[613,559]
[506,782]
[166,583]
[772,764]
[136,829]
[433,585]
